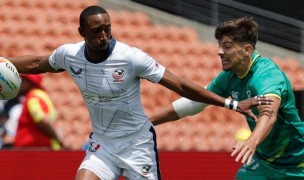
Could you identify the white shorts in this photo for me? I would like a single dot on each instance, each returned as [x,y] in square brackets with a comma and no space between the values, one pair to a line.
[135,156]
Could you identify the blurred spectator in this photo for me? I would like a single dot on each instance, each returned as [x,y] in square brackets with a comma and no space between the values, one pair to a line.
[10,112]
[36,123]
[2,133]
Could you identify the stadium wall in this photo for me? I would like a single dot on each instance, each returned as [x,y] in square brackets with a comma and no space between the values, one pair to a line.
[62,165]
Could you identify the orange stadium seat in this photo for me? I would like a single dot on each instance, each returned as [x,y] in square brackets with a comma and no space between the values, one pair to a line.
[44,25]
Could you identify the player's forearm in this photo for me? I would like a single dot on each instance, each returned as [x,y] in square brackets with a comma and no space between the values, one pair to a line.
[190,90]
[200,94]
[165,115]
[265,122]
[28,64]
[263,127]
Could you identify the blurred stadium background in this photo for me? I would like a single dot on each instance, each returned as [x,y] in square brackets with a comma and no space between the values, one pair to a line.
[179,34]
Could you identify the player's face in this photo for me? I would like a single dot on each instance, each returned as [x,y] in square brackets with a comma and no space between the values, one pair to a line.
[231,54]
[97,32]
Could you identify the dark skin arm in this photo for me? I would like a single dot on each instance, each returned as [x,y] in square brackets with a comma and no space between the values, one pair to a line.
[167,114]
[183,87]
[186,88]
[197,93]
[32,64]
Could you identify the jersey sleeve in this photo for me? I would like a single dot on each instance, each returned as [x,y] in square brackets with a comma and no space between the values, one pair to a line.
[146,67]
[269,82]
[57,57]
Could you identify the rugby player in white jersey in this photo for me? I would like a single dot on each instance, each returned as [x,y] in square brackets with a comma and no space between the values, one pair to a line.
[107,73]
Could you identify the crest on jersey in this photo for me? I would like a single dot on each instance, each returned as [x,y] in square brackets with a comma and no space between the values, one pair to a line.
[235,95]
[93,147]
[118,74]
[145,169]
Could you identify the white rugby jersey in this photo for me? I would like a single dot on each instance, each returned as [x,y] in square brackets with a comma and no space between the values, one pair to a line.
[110,88]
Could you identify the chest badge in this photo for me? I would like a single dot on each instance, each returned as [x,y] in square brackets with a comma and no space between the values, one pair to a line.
[118,74]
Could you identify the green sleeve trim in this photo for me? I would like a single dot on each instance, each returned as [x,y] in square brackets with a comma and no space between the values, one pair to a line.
[272,94]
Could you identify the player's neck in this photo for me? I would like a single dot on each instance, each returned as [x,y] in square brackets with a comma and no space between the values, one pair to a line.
[244,67]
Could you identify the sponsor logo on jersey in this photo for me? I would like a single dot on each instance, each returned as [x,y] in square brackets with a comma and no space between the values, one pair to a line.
[248,92]
[118,74]
[75,72]
[95,98]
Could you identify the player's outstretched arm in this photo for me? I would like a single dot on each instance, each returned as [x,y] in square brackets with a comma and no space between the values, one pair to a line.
[187,89]
[32,64]
[165,115]
[245,106]
[178,109]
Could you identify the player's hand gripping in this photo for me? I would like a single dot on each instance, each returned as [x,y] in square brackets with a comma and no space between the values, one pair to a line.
[245,106]
[244,151]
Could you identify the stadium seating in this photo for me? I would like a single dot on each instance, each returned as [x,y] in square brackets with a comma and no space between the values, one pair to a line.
[44,25]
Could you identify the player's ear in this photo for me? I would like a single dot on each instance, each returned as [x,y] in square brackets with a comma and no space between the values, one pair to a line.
[81,31]
[246,53]
[247,50]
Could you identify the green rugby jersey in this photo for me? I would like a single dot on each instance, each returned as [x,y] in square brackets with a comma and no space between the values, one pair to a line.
[284,146]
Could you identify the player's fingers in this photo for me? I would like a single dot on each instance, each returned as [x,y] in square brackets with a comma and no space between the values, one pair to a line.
[251,115]
[246,155]
[241,154]
[262,100]
[249,159]
[236,145]
[236,149]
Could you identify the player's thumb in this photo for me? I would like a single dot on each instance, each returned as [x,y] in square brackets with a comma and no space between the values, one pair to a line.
[251,115]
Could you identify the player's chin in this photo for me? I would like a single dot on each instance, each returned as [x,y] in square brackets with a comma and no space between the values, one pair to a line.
[226,68]
[102,46]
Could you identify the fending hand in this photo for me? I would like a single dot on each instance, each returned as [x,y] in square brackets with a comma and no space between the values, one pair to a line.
[245,106]
[244,151]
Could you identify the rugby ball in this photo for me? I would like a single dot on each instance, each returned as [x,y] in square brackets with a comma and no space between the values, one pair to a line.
[10,80]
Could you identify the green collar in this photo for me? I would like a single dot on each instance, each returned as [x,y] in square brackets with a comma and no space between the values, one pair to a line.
[254,56]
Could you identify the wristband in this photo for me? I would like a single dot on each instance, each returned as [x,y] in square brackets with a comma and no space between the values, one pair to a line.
[231,104]
[227,102]
[235,105]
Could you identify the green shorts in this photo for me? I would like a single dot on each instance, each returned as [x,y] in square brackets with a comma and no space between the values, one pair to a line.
[259,170]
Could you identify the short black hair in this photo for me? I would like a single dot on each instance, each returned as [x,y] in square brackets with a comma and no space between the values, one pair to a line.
[91,10]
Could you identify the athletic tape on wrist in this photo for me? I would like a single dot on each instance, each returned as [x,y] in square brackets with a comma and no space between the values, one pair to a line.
[227,102]
[235,105]
[231,104]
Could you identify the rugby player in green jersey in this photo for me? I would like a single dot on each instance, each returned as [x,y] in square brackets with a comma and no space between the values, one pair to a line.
[275,148]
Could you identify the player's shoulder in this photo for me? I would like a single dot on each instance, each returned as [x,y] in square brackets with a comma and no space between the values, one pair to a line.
[123,48]
[265,61]
[71,47]
[265,64]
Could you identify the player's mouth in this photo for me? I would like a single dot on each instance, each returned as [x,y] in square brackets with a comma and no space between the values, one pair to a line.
[225,61]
